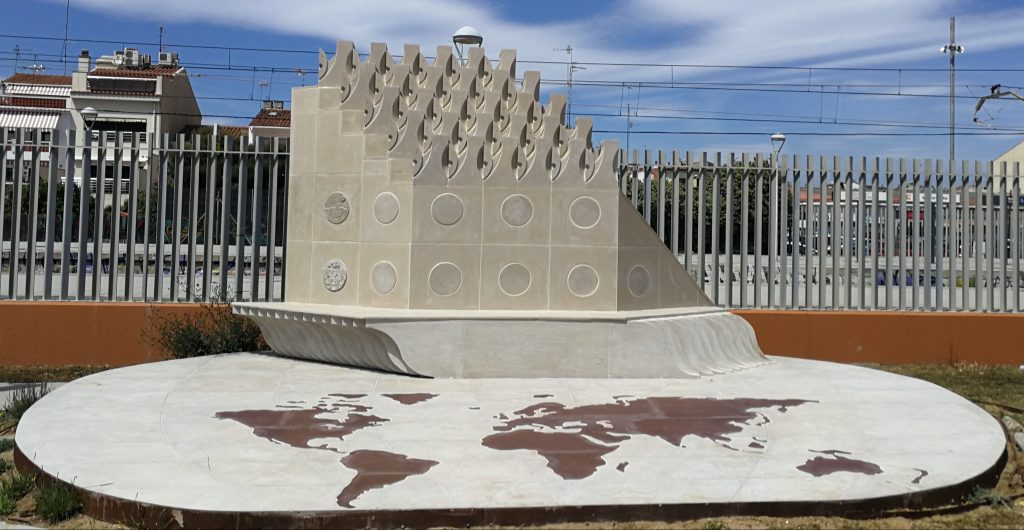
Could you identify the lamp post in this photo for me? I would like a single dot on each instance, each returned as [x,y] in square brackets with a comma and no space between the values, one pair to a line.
[778,139]
[952,49]
[89,119]
[463,36]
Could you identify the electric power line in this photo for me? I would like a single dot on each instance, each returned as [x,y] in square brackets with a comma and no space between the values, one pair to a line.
[527,61]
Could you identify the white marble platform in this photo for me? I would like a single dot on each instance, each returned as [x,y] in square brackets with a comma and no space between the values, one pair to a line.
[252,432]
[664,342]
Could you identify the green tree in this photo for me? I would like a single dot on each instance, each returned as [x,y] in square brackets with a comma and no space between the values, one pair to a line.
[26,210]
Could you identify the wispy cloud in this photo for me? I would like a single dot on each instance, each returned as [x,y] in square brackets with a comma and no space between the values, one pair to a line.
[811,33]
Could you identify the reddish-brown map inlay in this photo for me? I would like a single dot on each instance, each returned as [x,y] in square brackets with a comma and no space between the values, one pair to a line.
[298,428]
[569,455]
[410,399]
[376,469]
[834,462]
[575,439]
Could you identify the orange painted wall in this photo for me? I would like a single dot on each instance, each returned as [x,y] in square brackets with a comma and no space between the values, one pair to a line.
[890,337]
[111,333]
[59,333]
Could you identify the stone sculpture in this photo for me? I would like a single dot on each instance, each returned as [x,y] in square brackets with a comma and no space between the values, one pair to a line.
[443,222]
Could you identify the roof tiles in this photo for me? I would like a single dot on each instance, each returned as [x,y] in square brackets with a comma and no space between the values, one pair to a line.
[272,118]
[39,79]
[145,73]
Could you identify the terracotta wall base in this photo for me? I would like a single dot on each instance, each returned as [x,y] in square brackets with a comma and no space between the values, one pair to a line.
[63,333]
[112,333]
[890,337]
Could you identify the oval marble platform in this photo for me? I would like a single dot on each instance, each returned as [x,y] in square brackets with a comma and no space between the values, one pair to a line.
[253,439]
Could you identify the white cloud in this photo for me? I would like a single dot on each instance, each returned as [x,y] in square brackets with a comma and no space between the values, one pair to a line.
[732,32]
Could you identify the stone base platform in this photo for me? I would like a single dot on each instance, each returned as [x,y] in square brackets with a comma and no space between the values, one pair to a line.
[677,342]
[253,440]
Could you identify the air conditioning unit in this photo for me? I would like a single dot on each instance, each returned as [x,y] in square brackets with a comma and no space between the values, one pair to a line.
[131,56]
[168,59]
[146,60]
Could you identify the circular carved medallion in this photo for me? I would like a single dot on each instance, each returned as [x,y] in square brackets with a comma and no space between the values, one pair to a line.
[336,208]
[638,280]
[445,278]
[583,280]
[386,208]
[447,209]
[517,210]
[514,279]
[584,212]
[383,277]
[335,275]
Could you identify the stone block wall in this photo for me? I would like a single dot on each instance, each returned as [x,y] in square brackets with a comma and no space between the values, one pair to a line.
[440,185]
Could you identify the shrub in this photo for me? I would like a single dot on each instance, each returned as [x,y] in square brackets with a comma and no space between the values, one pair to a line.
[6,444]
[7,506]
[57,502]
[13,488]
[4,466]
[214,329]
[988,497]
[19,402]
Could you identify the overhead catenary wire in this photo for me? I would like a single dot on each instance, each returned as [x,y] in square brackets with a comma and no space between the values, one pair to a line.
[894,69]
[805,133]
[197,68]
[722,86]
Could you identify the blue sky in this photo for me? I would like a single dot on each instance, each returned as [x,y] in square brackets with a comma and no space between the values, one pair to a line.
[866,67]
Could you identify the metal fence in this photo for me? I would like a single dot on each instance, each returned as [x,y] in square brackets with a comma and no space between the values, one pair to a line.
[134,217]
[184,218]
[837,232]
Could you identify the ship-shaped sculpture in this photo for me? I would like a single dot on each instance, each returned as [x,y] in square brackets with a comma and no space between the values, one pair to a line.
[443,222]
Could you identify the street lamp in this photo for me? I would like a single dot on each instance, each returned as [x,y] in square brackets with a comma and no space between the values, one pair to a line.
[778,139]
[463,36]
[89,117]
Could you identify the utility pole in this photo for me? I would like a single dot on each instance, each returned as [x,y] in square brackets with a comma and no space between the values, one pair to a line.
[64,48]
[629,125]
[570,68]
[952,49]
[161,37]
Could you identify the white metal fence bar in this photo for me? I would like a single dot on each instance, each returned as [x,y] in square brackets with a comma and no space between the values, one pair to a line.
[131,217]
